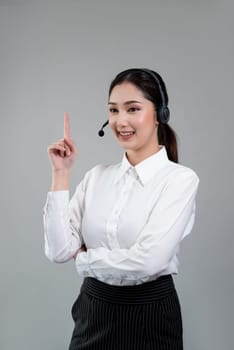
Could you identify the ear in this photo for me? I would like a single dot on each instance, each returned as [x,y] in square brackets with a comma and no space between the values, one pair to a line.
[156,121]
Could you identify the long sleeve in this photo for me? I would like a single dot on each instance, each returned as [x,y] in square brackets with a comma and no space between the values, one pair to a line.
[62,223]
[171,219]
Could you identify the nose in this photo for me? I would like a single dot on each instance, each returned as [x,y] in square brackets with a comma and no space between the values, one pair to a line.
[122,119]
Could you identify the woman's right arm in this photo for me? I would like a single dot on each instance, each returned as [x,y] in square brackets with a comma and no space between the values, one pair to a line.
[62,218]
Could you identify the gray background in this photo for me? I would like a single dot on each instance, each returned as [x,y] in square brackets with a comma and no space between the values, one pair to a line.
[60,56]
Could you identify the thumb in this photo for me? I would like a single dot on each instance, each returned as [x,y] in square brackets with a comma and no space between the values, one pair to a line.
[71,144]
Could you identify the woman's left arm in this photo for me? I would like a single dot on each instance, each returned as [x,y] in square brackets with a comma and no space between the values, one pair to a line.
[171,219]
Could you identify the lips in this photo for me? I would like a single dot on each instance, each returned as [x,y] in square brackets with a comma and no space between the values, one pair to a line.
[126,133]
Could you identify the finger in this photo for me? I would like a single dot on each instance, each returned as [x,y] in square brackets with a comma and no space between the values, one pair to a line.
[64,143]
[66,126]
[56,147]
[68,151]
[67,146]
[60,143]
[72,145]
[62,153]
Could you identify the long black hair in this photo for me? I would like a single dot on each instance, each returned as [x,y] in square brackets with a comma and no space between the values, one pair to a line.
[150,89]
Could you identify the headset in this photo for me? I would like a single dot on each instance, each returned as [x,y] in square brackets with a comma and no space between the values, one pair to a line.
[163,112]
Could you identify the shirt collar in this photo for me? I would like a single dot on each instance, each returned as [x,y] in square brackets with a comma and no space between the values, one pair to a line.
[147,168]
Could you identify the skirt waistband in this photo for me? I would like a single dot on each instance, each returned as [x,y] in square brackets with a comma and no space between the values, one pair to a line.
[133,294]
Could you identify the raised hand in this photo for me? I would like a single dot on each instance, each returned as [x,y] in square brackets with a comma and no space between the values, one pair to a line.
[63,152]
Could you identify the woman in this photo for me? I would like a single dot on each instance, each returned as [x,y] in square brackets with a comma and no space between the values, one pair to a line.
[124,224]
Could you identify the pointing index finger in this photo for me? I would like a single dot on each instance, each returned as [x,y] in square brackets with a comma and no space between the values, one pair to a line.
[66,126]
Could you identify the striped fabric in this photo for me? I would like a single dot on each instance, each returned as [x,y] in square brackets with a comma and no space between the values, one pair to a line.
[139,317]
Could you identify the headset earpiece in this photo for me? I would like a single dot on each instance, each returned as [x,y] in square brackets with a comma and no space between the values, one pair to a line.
[163,112]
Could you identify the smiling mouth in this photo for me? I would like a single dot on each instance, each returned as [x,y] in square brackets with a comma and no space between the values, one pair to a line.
[126,133]
[125,136]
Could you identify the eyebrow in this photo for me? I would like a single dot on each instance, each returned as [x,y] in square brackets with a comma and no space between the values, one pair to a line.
[125,103]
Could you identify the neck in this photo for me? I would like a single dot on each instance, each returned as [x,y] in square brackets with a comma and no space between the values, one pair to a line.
[136,157]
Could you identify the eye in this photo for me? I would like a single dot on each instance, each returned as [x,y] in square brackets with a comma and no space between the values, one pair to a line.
[113,110]
[133,109]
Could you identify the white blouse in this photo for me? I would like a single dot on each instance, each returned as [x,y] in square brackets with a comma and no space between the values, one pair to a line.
[131,219]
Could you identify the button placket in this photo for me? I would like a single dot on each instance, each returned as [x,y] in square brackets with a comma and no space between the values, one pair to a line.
[112,224]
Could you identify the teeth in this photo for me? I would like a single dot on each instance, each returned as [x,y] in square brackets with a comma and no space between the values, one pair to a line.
[126,133]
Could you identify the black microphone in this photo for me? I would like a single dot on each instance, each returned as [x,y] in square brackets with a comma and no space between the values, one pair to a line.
[101,132]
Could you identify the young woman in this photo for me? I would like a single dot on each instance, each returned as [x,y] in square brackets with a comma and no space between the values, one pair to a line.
[124,224]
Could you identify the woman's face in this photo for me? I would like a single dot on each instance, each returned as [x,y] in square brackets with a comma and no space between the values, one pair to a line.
[132,120]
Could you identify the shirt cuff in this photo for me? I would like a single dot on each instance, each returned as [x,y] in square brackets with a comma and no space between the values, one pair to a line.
[56,199]
[82,265]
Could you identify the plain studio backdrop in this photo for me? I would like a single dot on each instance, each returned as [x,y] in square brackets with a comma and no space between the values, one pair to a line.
[61,56]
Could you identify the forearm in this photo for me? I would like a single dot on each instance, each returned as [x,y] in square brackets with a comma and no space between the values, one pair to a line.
[103,262]
[60,180]
[61,227]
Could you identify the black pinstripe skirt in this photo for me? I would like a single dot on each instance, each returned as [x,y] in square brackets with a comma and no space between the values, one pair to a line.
[140,317]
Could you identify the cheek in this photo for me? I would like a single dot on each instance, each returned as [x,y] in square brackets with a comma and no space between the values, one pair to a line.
[111,123]
[146,123]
